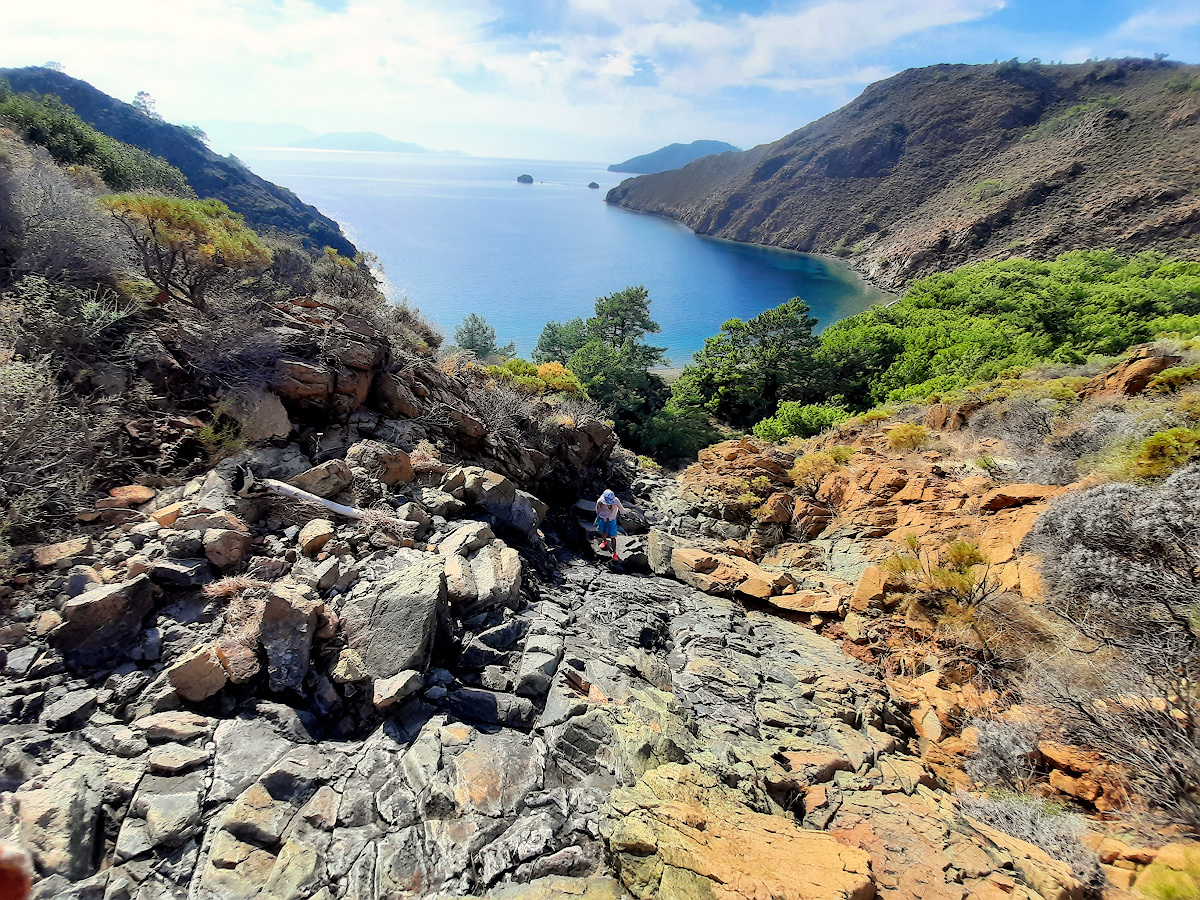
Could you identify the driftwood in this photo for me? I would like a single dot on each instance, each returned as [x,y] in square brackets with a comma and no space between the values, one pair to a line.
[246,485]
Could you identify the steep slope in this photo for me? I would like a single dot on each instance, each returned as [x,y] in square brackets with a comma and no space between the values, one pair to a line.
[671,157]
[950,164]
[265,205]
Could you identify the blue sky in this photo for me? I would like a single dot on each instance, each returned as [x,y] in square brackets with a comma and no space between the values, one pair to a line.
[596,80]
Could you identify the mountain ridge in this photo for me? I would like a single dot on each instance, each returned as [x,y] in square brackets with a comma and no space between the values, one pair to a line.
[951,164]
[671,156]
[264,204]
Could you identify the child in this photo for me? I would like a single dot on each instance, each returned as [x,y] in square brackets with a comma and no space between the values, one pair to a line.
[607,508]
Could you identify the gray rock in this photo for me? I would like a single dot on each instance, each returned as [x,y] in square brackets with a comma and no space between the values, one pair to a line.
[100,625]
[497,572]
[491,708]
[182,573]
[392,624]
[70,712]
[245,748]
[289,622]
[19,661]
[466,539]
[325,480]
[170,808]
[437,502]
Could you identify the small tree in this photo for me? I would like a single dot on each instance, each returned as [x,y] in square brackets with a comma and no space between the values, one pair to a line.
[145,103]
[476,335]
[184,244]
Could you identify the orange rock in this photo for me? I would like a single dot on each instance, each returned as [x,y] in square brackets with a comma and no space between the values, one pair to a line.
[1016,495]
[777,510]
[168,514]
[695,559]
[48,555]
[133,494]
[1131,376]
[870,588]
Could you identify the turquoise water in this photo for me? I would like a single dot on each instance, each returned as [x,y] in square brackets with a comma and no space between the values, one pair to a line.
[458,235]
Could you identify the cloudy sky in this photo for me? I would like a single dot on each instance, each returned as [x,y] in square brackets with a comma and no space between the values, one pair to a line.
[594,80]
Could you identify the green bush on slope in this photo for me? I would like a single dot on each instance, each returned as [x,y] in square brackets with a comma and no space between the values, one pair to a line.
[978,321]
[50,123]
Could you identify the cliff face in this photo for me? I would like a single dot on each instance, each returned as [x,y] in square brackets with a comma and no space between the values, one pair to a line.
[952,164]
[265,205]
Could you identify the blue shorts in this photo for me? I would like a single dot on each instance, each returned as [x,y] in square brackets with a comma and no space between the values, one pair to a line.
[608,527]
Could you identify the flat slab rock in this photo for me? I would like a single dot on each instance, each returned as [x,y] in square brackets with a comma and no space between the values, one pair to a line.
[623,736]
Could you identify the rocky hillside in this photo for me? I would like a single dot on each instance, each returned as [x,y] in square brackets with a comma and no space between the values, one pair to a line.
[950,164]
[671,157]
[265,205]
[215,690]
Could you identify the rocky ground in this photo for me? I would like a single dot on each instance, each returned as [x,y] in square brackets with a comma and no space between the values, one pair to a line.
[214,691]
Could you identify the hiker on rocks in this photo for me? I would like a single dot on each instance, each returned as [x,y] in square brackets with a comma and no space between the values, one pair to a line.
[607,509]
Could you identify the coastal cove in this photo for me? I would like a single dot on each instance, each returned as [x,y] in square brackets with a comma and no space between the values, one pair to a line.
[458,235]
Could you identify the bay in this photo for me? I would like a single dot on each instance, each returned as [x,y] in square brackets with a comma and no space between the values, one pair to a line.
[458,235]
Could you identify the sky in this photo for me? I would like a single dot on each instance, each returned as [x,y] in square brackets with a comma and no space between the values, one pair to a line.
[587,80]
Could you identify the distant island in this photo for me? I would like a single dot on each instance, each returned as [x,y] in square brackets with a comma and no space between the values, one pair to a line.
[524,179]
[673,156]
[359,140]
[593,186]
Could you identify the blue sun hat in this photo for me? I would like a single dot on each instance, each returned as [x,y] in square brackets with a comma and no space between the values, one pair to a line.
[608,497]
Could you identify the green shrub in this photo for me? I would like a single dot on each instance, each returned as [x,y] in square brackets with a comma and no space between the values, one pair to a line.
[1068,117]
[986,189]
[907,436]
[50,123]
[799,420]
[1174,378]
[809,470]
[1157,456]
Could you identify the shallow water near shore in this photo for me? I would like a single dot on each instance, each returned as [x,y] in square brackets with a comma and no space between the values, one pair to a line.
[458,235]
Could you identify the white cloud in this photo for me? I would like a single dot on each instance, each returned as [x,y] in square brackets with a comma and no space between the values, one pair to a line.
[443,73]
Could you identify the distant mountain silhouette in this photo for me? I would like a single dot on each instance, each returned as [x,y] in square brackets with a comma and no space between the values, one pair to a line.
[671,157]
[358,140]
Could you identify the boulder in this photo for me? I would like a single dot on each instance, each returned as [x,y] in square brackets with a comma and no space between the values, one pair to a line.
[437,502]
[303,382]
[289,623]
[198,674]
[225,548]
[391,624]
[496,573]
[390,465]
[314,536]
[181,573]
[466,539]
[71,712]
[259,413]
[1016,495]
[101,625]
[1131,376]
[62,554]
[388,691]
[326,479]
[869,590]
[58,820]
[132,494]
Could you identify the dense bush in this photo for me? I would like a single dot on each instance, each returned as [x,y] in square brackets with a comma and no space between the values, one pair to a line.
[1059,833]
[61,323]
[1119,565]
[972,324]
[551,377]
[47,451]
[48,225]
[50,123]
[799,420]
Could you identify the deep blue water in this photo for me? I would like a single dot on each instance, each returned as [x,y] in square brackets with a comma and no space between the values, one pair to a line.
[458,235]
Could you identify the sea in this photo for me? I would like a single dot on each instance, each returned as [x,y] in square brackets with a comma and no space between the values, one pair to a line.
[459,235]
